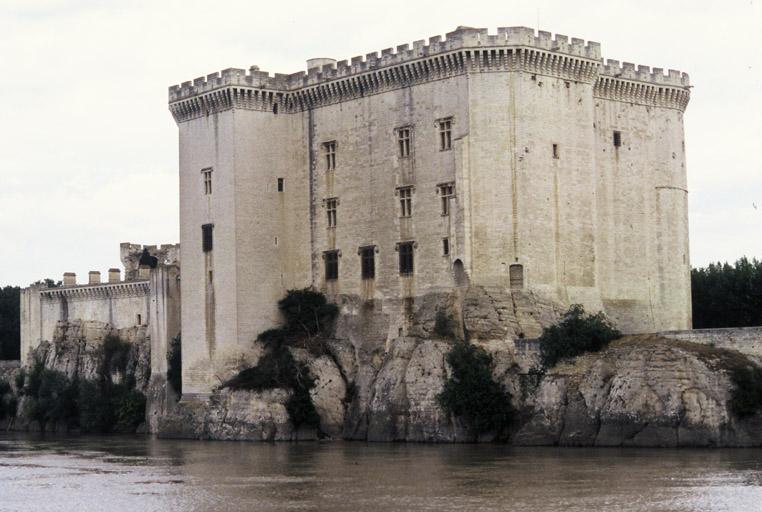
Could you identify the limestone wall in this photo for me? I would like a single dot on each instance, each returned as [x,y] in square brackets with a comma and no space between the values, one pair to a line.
[747,340]
[538,182]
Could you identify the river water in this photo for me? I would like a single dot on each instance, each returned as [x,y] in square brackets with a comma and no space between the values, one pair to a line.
[116,474]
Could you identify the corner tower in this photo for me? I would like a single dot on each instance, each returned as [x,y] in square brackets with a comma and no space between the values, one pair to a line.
[241,200]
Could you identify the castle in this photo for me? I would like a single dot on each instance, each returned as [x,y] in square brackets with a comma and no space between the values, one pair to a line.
[516,160]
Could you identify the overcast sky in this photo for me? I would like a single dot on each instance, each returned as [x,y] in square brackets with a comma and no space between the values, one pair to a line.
[88,148]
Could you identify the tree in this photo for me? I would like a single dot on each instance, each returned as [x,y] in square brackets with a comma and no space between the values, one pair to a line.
[10,334]
[575,334]
[727,296]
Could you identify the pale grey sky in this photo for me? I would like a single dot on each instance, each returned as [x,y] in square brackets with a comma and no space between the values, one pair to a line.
[89,151]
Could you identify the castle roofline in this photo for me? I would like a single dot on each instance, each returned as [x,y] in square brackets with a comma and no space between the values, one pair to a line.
[462,37]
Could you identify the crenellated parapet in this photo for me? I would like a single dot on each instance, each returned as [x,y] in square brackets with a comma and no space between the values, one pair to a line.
[643,85]
[465,50]
[103,290]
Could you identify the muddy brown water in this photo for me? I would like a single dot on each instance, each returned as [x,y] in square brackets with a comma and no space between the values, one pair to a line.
[116,474]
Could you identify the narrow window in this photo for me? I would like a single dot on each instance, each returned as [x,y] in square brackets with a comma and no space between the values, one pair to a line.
[206,237]
[406,258]
[331,265]
[206,175]
[211,276]
[140,319]
[617,138]
[329,149]
[330,207]
[281,184]
[446,192]
[445,134]
[445,246]
[403,139]
[368,262]
[516,276]
[406,201]
[555,151]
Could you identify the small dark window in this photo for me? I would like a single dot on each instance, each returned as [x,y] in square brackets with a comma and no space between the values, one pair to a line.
[140,319]
[406,258]
[445,246]
[368,262]
[281,183]
[331,265]
[617,139]
[275,109]
[445,134]
[211,276]
[206,237]
[555,151]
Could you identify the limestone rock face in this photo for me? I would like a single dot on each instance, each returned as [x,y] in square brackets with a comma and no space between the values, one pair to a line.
[641,391]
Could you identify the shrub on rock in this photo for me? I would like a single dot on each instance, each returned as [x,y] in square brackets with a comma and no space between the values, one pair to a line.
[575,334]
[471,393]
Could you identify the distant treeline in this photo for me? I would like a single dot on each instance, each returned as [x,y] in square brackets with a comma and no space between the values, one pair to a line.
[727,295]
[10,336]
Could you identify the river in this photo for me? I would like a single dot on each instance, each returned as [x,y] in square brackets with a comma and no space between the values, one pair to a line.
[116,474]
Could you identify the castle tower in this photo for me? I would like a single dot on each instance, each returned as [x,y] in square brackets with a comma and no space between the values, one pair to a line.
[517,160]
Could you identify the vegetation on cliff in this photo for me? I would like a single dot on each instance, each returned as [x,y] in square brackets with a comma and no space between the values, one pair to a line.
[103,405]
[727,295]
[308,316]
[9,323]
[7,401]
[575,334]
[174,365]
[471,394]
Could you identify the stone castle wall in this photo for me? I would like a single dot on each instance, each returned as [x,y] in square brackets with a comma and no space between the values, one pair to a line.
[540,184]
[747,340]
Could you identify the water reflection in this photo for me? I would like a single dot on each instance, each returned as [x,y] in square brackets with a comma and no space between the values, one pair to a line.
[127,474]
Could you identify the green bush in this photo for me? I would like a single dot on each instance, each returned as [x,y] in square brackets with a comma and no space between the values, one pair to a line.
[575,334]
[471,393]
[444,325]
[277,368]
[747,391]
[175,365]
[97,405]
[51,397]
[130,409]
[307,312]
[116,355]
[7,401]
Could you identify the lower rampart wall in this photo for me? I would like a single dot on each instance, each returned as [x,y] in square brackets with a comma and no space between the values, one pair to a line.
[747,340]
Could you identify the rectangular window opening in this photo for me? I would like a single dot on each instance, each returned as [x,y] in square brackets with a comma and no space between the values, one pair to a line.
[140,319]
[281,184]
[331,265]
[403,139]
[555,151]
[445,134]
[406,258]
[329,149]
[330,208]
[446,193]
[206,237]
[211,276]
[406,201]
[445,247]
[617,138]
[368,262]
[206,175]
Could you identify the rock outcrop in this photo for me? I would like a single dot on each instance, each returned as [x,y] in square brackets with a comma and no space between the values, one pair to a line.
[641,391]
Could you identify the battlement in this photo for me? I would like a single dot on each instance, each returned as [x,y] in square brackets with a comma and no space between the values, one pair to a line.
[465,50]
[462,37]
[629,71]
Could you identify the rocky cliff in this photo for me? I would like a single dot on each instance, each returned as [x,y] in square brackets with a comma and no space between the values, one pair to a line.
[640,391]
